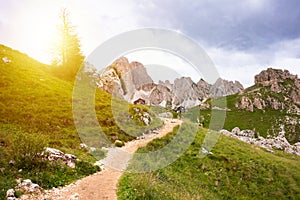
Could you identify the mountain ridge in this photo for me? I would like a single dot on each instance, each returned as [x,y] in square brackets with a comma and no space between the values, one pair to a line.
[131,81]
[35,103]
[268,107]
[274,88]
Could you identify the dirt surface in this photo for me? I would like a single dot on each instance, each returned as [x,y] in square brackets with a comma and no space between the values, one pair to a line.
[102,185]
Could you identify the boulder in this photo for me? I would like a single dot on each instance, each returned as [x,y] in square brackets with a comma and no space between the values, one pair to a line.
[119,143]
[225,132]
[83,146]
[246,104]
[6,60]
[205,151]
[10,194]
[55,154]
[12,162]
[247,133]
[70,160]
[27,186]
[258,103]
[236,131]
[279,142]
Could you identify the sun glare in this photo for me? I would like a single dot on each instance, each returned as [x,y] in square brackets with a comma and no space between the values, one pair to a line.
[41,34]
[38,32]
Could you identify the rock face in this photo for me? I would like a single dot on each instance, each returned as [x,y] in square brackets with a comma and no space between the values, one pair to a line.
[122,78]
[275,89]
[271,77]
[278,142]
[224,88]
[186,93]
[131,81]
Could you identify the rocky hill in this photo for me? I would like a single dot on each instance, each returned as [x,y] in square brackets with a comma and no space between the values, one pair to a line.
[131,81]
[122,78]
[268,107]
[274,89]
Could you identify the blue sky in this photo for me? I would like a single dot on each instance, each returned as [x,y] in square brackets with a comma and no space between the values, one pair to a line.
[241,37]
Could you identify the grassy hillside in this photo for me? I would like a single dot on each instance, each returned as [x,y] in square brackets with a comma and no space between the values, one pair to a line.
[36,111]
[235,170]
[265,122]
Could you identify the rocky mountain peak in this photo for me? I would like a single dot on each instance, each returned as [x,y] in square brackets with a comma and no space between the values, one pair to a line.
[202,82]
[271,76]
[131,81]
[183,82]
[223,87]
[121,66]
[274,88]
[122,78]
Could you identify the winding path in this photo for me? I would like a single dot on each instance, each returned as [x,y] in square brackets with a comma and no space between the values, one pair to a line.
[102,185]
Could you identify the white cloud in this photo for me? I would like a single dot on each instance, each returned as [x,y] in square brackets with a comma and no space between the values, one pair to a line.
[243,66]
[29,25]
[173,66]
[235,65]
[98,22]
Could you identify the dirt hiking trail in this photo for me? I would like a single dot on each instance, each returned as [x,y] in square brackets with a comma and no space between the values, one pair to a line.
[101,185]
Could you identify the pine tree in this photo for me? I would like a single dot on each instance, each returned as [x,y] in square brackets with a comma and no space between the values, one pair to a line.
[67,55]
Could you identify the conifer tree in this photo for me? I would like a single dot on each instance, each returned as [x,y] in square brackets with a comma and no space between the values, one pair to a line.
[67,55]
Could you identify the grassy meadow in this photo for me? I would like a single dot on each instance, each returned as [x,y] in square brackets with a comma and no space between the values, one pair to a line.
[235,170]
[36,112]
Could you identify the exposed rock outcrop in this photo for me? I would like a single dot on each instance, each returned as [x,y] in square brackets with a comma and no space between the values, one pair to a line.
[55,154]
[10,194]
[275,89]
[142,116]
[186,93]
[271,77]
[278,142]
[123,79]
[131,81]
[26,186]
[161,94]
[224,88]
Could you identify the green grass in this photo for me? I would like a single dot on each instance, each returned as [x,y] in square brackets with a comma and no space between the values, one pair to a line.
[23,148]
[236,170]
[263,122]
[37,105]
[158,109]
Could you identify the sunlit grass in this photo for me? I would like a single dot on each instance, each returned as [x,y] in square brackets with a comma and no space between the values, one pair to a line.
[37,104]
[235,170]
[264,123]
